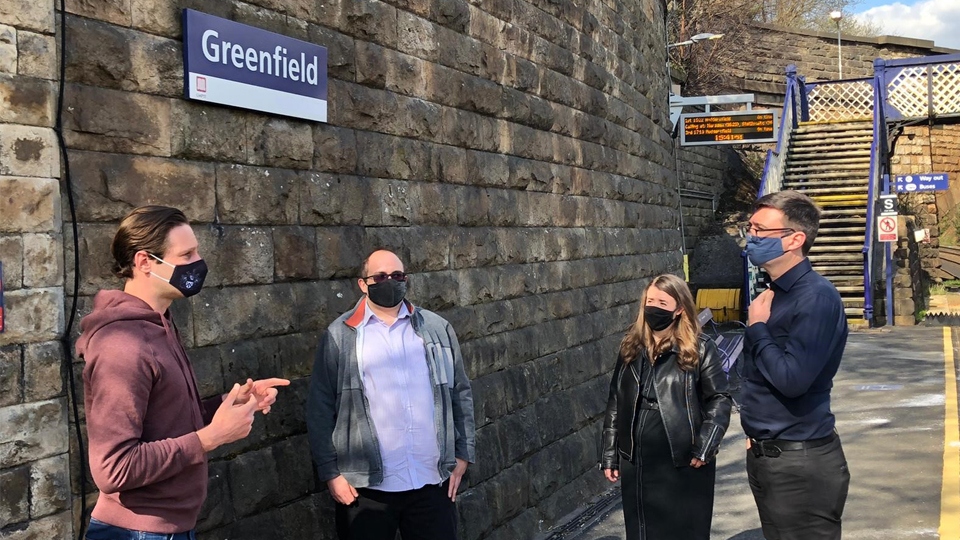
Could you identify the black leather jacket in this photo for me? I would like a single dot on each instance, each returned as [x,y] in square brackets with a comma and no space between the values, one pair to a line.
[694,405]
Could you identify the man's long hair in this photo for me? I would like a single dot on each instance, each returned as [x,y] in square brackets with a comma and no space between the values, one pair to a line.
[683,334]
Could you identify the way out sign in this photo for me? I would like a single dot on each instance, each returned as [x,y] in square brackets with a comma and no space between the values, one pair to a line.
[887,228]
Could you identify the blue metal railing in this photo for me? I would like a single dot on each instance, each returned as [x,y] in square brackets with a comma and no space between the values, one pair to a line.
[790,118]
[877,164]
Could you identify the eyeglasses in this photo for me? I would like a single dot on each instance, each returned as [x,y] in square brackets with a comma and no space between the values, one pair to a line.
[383,276]
[748,229]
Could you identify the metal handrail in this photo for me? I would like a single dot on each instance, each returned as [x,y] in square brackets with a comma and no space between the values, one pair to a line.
[773,165]
[876,164]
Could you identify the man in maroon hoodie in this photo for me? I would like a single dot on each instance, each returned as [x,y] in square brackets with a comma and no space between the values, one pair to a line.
[149,429]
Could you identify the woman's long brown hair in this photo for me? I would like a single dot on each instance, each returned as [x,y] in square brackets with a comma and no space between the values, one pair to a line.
[684,334]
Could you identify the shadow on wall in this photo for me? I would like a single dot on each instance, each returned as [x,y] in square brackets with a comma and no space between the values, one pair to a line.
[716,262]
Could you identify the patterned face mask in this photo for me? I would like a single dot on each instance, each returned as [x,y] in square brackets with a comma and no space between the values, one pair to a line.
[186,278]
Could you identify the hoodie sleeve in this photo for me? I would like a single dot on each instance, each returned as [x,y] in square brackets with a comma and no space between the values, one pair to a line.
[118,380]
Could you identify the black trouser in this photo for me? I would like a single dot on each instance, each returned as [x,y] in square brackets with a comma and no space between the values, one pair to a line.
[800,494]
[420,514]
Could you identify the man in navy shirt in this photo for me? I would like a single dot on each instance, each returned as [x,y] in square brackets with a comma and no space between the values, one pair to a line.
[796,333]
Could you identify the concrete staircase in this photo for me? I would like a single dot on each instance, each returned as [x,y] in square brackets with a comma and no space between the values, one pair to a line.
[831,163]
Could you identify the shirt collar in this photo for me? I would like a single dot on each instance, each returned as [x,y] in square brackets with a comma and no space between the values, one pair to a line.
[370,315]
[790,278]
[361,315]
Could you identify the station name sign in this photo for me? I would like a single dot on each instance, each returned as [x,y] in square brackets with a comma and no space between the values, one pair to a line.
[741,127]
[235,64]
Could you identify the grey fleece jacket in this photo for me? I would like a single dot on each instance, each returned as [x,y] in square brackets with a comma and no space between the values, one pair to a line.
[342,436]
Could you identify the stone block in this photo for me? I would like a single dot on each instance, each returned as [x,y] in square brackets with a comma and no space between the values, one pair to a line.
[230,314]
[208,132]
[29,15]
[387,156]
[422,249]
[372,62]
[11,255]
[37,55]
[29,151]
[108,120]
[474,509]
[295,476]
[360,107]
[236,255]
[96,259]
[286,418]
[162,17]
[42,260]
[295,253]
[370,20]
[417,36]
[113,11]
[255,195]
[327,199]
[334,149]
[11,375]
[27,100]
[254,484]
[14,495]
[108,186]
[255,527]
[42,378]
[297,351]
[416,118]
[32,431]
[509,492]
[279,142]
[32,315]
[341,48]
[311,517]
[56,527]
[103,55]
[217,508]
[340,250]
[8,49]
[207,367]
[49,486]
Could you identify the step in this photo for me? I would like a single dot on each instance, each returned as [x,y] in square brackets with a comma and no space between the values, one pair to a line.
[839,257]
[851,153]
[837,136]
[834,151]
[854,139]
[824,183]
[849,289]
[805,160]
[810,127]
[837,230]
[824,269]
[861,212]
[840,239]
[864,176]
[835,221]
[851,190]
[821,166]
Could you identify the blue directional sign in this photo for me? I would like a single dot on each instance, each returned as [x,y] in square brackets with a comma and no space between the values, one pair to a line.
[911,183]
[235,64]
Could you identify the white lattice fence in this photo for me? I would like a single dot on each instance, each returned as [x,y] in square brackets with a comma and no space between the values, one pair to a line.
[909,90]
[841,102]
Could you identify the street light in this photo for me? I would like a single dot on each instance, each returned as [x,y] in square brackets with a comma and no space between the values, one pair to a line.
[696,39]
[836,16]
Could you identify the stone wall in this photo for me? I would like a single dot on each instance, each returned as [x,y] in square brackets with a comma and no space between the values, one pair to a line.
[758,63]
[34,467]
[515,154]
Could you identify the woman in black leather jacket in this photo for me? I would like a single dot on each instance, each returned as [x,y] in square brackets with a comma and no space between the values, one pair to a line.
[667,412]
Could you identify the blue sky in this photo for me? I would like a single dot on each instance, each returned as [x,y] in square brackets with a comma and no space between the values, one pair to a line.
[935,20]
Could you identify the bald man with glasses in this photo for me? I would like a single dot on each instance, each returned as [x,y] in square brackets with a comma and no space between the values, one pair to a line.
[390,413]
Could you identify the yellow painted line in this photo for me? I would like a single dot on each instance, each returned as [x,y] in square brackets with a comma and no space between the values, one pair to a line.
[950,491]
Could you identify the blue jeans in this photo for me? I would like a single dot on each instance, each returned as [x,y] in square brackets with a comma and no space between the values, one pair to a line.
[99,530]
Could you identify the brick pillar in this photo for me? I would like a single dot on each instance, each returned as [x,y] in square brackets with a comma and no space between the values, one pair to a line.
[35,500]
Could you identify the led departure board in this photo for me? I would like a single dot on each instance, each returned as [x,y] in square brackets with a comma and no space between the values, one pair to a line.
[741,127]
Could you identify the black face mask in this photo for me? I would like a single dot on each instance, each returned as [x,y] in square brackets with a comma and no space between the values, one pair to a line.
[186,278]
[388,293]
[658,319]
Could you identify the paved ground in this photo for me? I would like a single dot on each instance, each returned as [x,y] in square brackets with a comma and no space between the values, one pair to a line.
[889,401]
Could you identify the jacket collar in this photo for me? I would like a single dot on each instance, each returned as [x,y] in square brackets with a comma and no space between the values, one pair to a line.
[360,313]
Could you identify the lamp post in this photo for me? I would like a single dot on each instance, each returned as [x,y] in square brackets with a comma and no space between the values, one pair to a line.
[705,36]
[836,16]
